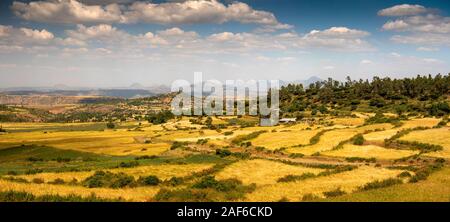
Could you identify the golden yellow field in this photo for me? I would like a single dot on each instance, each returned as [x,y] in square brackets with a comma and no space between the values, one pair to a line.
[440,136]
[413,123]
[284,138]
[369,151]
[331,139]
[133,140]
[165,171]
[262,172]
[128,194]
[294,191]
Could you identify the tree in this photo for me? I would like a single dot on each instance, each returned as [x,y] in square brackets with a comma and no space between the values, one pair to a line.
[110,125]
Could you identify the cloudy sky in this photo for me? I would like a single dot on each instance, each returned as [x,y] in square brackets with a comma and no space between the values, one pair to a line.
[111,43]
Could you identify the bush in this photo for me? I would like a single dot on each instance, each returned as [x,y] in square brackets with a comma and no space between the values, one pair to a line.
[404,174]
[223,152]
[108,179]
[110,125]
[291,178]
[18,196]
[129,164]
[309,197]
[145,157]
[12,173]
[57,181]
[240,139]
[334,193]
[37,180]
[33,171]
[228,133]
[202,141]
[358,139]
[175,181]
[177,144]
[380,184]
[34,159]
[360,159]
[296,155]
[149,180]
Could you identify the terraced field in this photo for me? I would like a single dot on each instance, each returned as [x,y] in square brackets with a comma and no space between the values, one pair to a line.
[312,160]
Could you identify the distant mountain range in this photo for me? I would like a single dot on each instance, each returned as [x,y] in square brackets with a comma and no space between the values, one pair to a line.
[135,90]
[305,82]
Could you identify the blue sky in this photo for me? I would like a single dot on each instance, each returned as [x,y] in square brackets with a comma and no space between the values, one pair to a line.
[108,43]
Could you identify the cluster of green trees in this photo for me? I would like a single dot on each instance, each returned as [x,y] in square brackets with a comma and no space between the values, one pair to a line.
[424,94]
[160,117]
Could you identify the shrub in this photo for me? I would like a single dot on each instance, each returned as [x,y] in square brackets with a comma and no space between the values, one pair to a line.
[240,139]
[202,141]
[37,180]
[424,172]
[360,159]
[145,157]
[63,160]
[149,180]
[315,139]
[33,171]
[57,181]
[34,159]
[12,173]
[291,178]
[380,184]
[108,179]
[19,196]
[175,181]
[404,174]
[296,155]
[223,152]
[334,193]
[228,133]
[177,144]
[358,139]
[128,164]
[110,125]
[241,155]
[309,197]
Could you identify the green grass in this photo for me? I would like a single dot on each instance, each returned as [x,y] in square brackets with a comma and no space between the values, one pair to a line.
[22,153]
[17,160]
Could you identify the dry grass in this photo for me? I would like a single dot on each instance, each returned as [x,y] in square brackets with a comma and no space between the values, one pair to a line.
[129,194]
[348,121]
[165,171]
[348,181]
[284,138]
[262,172]
[332,138]
[413,123]
[369,151]
[439,136]
[111,142]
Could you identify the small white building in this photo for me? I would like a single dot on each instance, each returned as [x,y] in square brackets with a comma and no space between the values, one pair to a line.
[288,120]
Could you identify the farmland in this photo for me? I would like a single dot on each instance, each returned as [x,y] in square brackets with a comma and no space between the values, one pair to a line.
[306,161]
[384,140]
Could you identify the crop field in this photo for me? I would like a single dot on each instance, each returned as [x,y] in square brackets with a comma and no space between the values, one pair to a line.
[261,172]
[346,181]
[440,136]
[312,160]
[331,139]
[370,151]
